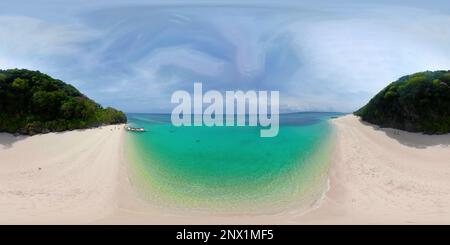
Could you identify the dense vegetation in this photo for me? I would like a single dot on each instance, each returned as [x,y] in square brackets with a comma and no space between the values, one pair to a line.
[416,103]
[32,102]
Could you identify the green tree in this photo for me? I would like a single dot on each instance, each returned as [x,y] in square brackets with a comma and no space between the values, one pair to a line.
[32,102]
[419,103]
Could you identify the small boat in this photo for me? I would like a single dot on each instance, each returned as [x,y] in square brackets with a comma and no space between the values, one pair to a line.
[135,129]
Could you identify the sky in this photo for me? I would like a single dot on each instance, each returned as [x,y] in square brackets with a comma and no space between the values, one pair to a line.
[320,55]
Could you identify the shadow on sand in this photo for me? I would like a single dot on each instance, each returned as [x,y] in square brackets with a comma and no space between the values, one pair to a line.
[416,140]
[7,140]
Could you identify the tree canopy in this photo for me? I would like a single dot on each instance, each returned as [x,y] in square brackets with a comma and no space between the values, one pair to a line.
[32,102]
[418,103]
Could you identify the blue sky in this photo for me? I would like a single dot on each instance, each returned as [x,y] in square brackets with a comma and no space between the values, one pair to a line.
[320,55]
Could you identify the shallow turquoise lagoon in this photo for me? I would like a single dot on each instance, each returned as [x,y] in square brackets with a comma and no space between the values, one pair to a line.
[231,169]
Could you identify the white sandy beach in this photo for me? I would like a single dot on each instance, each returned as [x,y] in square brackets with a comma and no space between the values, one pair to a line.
[386,176]
[56,178]
[378,176]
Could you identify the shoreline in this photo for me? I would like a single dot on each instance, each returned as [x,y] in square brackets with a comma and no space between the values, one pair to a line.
[377,176]
[367,163]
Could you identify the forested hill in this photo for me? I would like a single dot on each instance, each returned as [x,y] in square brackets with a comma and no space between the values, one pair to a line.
[418,103]
[32,102]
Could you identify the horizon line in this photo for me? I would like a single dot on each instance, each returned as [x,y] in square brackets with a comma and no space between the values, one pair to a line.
[281,113]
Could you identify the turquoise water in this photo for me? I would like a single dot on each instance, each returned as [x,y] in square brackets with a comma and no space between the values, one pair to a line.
[230,168]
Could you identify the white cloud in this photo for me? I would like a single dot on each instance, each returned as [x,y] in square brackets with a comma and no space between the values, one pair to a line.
[358,56]
[25,41]
[181,57]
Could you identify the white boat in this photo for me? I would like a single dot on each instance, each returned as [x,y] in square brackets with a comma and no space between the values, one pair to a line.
[135,129]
